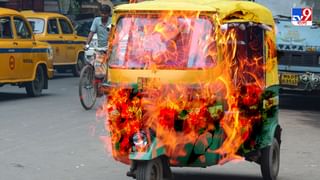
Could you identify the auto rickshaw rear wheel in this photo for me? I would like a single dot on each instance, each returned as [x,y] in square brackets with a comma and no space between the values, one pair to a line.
[270,161]
[150,170]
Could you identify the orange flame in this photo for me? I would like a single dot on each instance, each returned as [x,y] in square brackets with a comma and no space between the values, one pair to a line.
[237,79]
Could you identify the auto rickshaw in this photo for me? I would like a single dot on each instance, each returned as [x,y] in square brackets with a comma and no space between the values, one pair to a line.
[192,84]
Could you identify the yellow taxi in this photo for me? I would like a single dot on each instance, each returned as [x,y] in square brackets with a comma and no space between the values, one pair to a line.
[24,61]
[58,31]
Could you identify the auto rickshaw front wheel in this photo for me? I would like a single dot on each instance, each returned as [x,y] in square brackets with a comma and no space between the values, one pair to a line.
[270,161]
[150,170]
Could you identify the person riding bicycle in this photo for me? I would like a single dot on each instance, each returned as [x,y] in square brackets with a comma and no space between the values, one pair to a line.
[101,26]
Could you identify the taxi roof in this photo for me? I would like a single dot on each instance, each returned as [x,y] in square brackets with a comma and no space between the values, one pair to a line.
[8,11]
[41,14]
[245,10]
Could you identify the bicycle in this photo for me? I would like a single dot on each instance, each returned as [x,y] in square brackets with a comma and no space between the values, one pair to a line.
[90,82]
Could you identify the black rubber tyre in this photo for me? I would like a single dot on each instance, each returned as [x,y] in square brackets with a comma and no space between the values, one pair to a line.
[150,170]
[270,161]
[78,67]
[34,88]
[87,87]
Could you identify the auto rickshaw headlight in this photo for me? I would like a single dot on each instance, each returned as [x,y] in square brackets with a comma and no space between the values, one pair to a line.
[140,140]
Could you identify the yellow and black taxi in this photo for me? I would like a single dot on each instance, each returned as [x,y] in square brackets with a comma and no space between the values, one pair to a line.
[58,31]
[24,61]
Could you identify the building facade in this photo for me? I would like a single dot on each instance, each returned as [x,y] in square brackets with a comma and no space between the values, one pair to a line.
[36,5]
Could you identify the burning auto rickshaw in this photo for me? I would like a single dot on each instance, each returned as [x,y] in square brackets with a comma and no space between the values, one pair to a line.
[192,84]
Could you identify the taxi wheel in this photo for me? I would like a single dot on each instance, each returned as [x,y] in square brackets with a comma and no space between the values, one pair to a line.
[34,88]
[77,67]
[270,161]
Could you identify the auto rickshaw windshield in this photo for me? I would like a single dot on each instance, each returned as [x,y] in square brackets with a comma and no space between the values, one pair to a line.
[173,42]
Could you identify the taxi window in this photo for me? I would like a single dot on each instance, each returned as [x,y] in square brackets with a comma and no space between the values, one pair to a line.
[65,26]
[37,25]
[52,27]
[22,29]
[5,28]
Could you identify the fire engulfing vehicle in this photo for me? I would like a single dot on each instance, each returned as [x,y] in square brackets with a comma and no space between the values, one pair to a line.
[192,84]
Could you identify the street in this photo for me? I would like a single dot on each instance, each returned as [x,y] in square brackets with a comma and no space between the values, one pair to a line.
[52,137]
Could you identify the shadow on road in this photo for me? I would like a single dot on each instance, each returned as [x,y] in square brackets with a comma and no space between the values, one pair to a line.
[296,101]
[308,104]
[13,96]
[206,176]
[62,76]
[16,96]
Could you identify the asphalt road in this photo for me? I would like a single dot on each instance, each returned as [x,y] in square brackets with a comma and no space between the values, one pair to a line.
[52,138]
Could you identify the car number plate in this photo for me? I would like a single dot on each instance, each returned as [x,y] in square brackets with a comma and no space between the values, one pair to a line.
[289,79]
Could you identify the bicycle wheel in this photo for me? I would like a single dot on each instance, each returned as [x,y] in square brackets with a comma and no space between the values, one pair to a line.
[87,87]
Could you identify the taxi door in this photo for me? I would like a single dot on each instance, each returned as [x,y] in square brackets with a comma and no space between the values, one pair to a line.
[24,48]
[69,39]
[8,57]
[55,39]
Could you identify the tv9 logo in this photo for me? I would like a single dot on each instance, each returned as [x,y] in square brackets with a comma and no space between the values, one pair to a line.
[301,16]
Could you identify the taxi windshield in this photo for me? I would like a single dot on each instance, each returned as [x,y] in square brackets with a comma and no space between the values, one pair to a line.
[37,25]
[144,42]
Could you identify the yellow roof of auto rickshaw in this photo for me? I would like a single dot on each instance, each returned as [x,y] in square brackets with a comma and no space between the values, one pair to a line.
[245,10]
[45,15]
[8,11]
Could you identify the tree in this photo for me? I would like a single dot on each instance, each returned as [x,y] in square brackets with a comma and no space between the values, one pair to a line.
[79,2]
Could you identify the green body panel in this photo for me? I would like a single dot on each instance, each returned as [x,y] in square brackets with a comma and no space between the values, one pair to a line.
[209,157]
[202,152]
[268,132]
[270,121]
[198,155]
